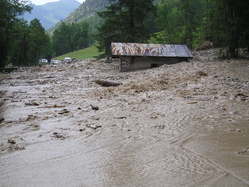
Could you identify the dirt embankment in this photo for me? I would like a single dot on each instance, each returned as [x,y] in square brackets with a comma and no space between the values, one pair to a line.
[185,124]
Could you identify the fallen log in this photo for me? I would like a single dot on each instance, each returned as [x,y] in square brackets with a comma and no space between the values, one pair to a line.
[7,70]
[107,83]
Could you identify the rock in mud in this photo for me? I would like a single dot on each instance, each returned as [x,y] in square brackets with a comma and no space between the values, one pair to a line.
[35,126]
[241,96]
[81,130]
[1,119]
[13,144]
[94,107]
[161,127]
[16,147]
[32,104]
[11,141]
[93,126]
[54,106]
[244,151]
[201,74]
[1,101]
[31,117]
[59,135]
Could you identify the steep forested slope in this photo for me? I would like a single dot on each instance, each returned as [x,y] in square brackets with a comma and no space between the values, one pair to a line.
[87,9]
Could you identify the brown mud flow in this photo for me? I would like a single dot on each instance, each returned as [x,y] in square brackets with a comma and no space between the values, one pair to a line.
[185,124]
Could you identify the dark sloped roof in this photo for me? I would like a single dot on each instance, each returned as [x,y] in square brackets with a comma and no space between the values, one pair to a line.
[150,50]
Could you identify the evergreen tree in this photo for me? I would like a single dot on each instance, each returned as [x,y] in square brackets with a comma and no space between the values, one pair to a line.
[19,47]
[70,37]
[231,24]
[125,21]
[80,35]
[170,23]
[61,39]
[180,22]
[9,10]
[29,43]
[38,42]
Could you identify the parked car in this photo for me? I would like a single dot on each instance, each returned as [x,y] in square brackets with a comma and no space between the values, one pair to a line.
[43,61]
[67,60]
[55,61]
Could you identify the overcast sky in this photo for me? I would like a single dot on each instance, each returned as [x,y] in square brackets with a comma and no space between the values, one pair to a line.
[40,2]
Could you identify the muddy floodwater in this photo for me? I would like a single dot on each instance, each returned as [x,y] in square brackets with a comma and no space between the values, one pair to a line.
[184,124]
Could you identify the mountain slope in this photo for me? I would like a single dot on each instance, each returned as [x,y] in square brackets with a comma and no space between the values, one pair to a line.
[87,9]
[51,13]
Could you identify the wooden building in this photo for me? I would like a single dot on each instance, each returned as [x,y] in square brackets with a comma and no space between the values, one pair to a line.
[134,56]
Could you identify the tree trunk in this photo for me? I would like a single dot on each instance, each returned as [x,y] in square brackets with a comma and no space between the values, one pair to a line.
[107,83]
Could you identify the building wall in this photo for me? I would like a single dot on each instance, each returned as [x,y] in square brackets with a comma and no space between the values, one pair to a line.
[136,63]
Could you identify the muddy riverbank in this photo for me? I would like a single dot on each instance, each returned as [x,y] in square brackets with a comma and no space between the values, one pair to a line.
[185,124]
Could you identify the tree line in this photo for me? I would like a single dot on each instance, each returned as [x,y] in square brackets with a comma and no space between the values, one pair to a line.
[191,22]
[23,43]
[71,37]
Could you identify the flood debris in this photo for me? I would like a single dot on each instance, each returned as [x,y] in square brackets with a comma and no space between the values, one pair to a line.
[59,135]
[32,103]
[156,115]
[31,117]
[11,141]
[1,119]
[161,127]
[82,129]
[242,96]
[94,126]
[235,130]
[107,83]
[54,106]
[1,101]
[191,103]
[244,151]
[121,117]
[12,144]
[201,74]
[64,111]
[94,107]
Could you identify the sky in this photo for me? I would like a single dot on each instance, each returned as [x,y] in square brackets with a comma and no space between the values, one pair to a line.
[40,2]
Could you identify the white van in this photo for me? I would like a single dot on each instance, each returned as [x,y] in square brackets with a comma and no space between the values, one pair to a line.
[67,60]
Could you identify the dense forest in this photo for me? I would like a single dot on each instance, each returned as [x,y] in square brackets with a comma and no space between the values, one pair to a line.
[223,22]
[71,37]
[191,22]
[21,44]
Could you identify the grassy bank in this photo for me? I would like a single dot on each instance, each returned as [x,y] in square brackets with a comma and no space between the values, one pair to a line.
[90,52]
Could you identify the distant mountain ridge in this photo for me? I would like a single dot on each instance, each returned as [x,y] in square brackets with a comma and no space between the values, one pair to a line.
[51,13]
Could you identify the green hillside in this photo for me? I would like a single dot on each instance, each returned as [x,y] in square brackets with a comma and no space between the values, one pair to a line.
[90,52]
